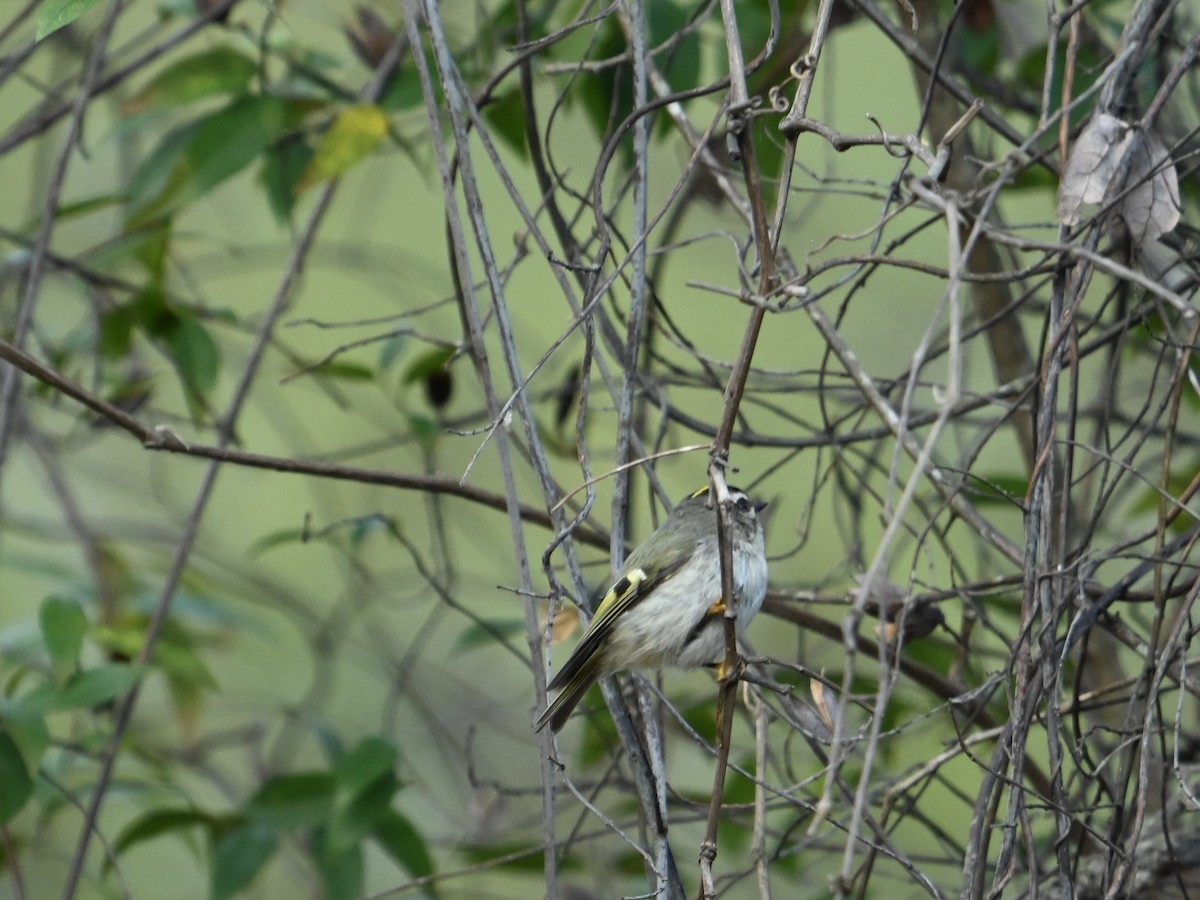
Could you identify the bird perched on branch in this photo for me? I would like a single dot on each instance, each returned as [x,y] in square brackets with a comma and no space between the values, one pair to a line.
[666,608]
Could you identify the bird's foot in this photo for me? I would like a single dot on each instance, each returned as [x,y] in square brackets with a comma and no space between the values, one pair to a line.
[727,672]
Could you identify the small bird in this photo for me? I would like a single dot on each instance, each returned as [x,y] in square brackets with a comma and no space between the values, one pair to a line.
[666,607]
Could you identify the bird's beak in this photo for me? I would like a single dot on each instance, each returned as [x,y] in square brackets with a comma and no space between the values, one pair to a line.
[760,506]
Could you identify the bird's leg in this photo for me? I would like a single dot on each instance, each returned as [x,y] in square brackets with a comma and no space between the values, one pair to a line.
[725,673]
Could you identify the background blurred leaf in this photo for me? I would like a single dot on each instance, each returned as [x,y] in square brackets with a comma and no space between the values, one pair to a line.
[238,857]
[354,135]
[16,784]
[403,843]
[293,801]
[194,159]
[221,70]
[91,687]
[156,823]
[64,625]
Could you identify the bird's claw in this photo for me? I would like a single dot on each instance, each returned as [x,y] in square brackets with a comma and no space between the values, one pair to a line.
[727,672]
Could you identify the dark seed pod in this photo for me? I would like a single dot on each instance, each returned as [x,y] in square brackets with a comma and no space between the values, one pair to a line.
[439,386]
[565,397]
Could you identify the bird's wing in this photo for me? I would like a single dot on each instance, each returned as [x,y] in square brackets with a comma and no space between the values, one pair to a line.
[635,584]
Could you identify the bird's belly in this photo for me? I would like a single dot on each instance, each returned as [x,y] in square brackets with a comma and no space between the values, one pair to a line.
[674,626]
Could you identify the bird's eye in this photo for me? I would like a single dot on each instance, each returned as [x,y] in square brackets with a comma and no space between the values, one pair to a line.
[743,503]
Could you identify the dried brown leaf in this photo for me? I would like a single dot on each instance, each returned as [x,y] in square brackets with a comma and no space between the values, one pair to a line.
[1151,206]
[825,702]
[1091,165]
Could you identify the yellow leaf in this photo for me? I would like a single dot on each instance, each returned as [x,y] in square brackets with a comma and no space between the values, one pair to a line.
[353,137]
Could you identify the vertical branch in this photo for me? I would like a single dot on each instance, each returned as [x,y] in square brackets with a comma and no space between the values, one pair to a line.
[758,852]
[638,287]
[874,580]
[460,115]
[665,874]
[741,129]
[469,306]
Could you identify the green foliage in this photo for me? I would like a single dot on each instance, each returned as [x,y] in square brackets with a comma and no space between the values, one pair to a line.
[334,811]
[64,625]
[1000,489]
[16,784]
[403,843]
[284,164]
[301,800]
[428,363]
[89,688]
[608,94]
[221,70]
[506,116]
[56,14]
[197,157]
[237,857]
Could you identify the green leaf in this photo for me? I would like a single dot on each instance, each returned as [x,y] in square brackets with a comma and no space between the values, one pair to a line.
[355,819]
[487,632]
[64,624]
[937,655]
[425,430]
[176,654]
[396,835]
[195,353]
[341,869]
[391,349]
[153,250]
[194,159]
[427,363]
[999,489]
[1178,482]
[16,784]
[92,687]
[87,206]
[346,371]
[238,856]
[354,135]
[26,726]
[221,70]
[371,760]
[152,313]
[599,90]
[506,116]
[158,167]
[277,539]
[979,47]
[366,784]
[158,822]
[284,164]
[56,14]
[403,91]
[681,65]
[293,801]
[136,244]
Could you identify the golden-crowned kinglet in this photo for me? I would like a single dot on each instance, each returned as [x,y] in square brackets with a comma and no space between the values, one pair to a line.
[665,609]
